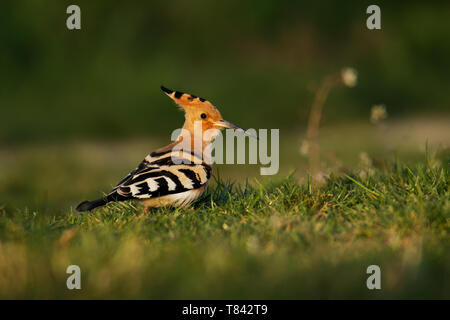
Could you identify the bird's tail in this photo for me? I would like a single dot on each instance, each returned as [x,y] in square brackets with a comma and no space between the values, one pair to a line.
[89,205]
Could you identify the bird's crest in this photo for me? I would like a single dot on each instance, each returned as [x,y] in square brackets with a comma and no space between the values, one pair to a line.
[186,100]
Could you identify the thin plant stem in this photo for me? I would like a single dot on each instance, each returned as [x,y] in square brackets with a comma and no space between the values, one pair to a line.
[315,116]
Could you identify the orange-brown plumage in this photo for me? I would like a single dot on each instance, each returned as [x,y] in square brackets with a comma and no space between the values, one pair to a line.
[159,180]
[194,107]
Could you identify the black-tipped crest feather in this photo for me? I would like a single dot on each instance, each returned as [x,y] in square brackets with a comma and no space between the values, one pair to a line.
[168,91]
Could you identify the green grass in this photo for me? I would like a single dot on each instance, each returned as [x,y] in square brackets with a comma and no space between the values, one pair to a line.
[79,109]
[280,239]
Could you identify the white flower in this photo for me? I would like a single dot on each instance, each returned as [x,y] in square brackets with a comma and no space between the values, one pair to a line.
[364,159]
[304,148]
[378,113]
[349,77]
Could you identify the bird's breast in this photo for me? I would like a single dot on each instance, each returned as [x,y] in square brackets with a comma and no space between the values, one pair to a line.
[182,199]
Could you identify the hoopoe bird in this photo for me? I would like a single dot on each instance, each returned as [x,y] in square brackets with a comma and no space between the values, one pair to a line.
[178,174]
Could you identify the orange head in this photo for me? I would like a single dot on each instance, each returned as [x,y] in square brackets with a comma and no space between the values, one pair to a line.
[199,109]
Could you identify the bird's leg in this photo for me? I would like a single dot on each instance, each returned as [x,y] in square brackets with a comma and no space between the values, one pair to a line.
[147,209]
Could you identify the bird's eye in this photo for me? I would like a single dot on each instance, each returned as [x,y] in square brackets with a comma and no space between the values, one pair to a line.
[203,115]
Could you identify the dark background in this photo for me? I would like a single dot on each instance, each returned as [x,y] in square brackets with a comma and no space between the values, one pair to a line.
[258,61]
[81,108]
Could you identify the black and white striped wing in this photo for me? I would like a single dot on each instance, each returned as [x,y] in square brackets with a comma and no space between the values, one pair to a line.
[152,181]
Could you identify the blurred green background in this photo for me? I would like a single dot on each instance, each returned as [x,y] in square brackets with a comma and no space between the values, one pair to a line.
[253,59]
[80,109]
[84,107]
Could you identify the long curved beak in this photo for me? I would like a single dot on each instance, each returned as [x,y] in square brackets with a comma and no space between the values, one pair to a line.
[229,125]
